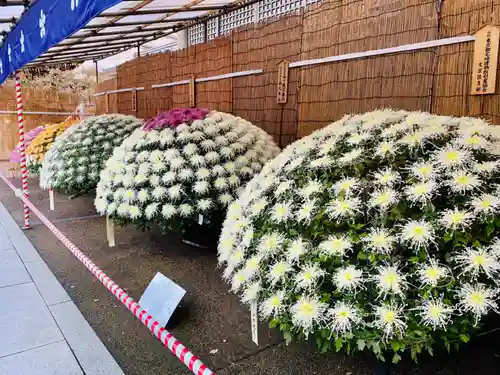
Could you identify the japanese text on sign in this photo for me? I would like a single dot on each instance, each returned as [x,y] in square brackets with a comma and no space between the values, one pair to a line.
[282,95]
[485,60]
[192,92]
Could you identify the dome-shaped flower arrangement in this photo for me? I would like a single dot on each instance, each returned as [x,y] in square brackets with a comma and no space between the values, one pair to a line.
[183,167]
[77,157]
[43,141]
[378,231]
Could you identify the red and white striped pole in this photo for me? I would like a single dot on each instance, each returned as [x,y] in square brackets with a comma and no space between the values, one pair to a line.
[20,126]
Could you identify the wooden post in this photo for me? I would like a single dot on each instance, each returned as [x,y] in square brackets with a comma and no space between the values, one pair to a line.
[192,92]
[52,204]
[110,232]
[106,103]
[134,101]
[484,68]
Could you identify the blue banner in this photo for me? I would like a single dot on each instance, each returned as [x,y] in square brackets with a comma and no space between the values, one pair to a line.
[43,25]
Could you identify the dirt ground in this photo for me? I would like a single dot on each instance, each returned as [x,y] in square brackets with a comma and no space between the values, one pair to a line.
[210,317]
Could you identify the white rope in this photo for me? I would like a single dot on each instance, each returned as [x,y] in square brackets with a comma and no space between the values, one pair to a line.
[385,51]
[47,113]
[211,78]
[119,90]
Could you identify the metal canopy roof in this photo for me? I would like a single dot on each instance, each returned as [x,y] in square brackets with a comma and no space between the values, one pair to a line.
[128,24]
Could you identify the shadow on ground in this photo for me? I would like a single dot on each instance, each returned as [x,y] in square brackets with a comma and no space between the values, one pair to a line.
[210,319]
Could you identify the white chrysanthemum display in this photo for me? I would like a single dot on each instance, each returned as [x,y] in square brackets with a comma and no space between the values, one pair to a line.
[187,173]
[378,231]
[77,157]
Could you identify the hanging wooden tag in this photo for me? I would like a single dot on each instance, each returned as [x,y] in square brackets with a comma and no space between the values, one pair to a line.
[134,101]
[484,68]
[106,103]
[282,95]
[192,92]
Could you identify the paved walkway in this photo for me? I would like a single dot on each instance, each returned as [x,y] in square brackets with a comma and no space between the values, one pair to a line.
[41,330]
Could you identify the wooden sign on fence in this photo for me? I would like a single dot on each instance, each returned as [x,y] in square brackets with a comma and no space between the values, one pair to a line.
[134,100]
[282,95]
[106,103]
[192,92]
[484,68]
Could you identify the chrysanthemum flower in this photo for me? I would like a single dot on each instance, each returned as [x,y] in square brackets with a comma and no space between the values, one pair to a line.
[273,305]
[168,211]
[385,149]
[486,168]
[307,312]
[306,211]
[473,142]
[435,313]
[270,243]
[379,240]
[346,185]
[421,192]
[283,187]
[477,299]
[348,279]
[344,208]
[386,177]
[463,181]
[281,212]
[382,200]
[452,157]
[390,280]
[351,157]
[390,319]
[417,233]
[454,219]
[311,188]
[296,249]
[431,273]
[336,246]
[278,271]
[258,206]
[308,278]
[358,138]
[477,261]
[486,204]
[344,317]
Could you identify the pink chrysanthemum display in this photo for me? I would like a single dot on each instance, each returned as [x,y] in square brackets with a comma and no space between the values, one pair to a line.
[174,118]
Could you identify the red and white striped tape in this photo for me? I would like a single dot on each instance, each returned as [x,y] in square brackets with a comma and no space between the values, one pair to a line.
[20,125]
[170,342]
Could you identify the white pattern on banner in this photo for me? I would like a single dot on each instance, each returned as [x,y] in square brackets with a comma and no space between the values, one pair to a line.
[41,23]
[21,39]
[74,4]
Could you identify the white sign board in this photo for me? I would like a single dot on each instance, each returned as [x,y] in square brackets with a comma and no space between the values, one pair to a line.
[254,318]
[161,298]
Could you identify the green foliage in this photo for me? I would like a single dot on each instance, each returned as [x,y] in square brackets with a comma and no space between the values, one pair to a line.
[403,261]
[74,162]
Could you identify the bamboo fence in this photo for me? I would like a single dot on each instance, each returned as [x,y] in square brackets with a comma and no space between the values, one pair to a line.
[436,79]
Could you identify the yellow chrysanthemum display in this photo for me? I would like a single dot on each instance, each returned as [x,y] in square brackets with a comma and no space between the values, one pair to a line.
[43,142]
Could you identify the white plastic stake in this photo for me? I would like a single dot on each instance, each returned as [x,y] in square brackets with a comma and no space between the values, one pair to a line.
[51,198]
[254,317]
[110,232]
